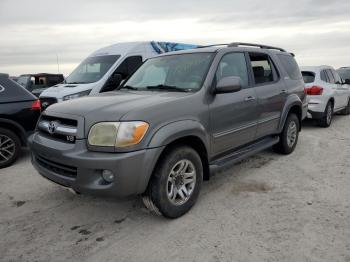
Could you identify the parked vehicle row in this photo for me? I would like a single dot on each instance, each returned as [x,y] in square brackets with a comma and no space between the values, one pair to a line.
[178,118]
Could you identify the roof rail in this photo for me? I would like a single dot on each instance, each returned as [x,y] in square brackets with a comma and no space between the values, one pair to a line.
[204,46]
[237,44]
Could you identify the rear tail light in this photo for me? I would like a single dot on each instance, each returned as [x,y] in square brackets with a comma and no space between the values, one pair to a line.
[314,91]
[36,105]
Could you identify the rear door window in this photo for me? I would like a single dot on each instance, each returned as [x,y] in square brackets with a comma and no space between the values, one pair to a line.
[324,76]
[263,69]
[330,76]
[309,77]
[291,66]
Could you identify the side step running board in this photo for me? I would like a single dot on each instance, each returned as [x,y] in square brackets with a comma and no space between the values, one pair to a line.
[243,153]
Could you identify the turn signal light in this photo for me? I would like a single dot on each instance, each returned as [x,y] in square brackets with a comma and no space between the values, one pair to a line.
[314,91]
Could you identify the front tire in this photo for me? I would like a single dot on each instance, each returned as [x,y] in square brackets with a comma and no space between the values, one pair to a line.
[10,146]
[327,118]
[175,184]
[289,136]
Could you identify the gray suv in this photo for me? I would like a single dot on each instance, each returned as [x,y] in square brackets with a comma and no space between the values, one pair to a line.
[177,119]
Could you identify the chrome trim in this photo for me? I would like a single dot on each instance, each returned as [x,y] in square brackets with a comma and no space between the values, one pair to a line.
[60,129]
[2,88]
[268,119]
[231,131]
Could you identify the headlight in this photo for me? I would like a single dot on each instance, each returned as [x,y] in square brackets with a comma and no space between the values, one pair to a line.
[77,95]
[117,134]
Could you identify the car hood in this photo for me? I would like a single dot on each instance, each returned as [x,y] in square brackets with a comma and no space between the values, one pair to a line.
[112,106]
[61,90]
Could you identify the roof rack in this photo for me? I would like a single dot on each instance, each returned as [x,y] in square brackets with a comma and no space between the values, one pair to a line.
[237,44]
[205,46]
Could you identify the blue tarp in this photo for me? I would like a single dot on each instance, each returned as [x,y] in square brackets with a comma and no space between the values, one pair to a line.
[163,47]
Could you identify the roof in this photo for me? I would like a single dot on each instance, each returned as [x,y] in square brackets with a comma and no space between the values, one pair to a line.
[315,68]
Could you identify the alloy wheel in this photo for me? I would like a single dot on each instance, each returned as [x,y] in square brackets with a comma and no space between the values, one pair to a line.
[7,148]
[181,182]
[292,134]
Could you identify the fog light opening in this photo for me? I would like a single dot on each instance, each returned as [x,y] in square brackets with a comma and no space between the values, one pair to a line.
[108,176]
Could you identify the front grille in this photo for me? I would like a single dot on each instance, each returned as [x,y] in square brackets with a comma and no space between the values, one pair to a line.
[61,129]
[47,101]
[63,170]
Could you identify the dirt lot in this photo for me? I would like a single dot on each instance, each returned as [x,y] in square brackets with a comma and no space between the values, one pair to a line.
[268,208]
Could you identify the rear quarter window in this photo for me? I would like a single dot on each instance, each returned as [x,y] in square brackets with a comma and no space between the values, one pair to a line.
[291,66]
[309,77]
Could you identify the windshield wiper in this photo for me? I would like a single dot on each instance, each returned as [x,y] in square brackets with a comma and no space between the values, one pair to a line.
[129,87]
[168,88]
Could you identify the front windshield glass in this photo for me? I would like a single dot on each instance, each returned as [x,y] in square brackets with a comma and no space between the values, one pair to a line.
[183,72]
[23,80]
[344,73]
[92,69]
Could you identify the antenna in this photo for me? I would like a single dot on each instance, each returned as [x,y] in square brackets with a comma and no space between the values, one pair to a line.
[58,64]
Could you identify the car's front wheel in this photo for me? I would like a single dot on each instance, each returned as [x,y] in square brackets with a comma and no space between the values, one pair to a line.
[289,136]
[176,182]
[9,147]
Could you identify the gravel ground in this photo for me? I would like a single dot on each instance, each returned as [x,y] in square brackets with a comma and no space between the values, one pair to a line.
[267,208]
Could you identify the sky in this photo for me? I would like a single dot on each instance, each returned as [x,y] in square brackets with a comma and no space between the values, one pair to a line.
[35,34]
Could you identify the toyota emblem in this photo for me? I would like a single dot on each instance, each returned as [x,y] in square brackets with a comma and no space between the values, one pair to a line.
[53,126]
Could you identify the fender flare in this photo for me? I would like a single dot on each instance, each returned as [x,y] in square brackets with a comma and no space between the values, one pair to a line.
[22,132]
[179,129]
[292,100]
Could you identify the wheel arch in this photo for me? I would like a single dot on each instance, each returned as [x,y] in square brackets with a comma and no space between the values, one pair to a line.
[16,128]
[293,105]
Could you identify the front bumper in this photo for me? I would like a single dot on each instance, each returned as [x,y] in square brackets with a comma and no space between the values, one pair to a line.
[73,166]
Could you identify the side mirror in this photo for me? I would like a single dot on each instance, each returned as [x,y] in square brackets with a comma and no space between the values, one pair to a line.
[229,84]
[112,83]
[347,82]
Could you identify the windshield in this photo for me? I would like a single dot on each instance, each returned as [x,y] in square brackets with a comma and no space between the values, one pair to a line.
[183,72]
[23,80]
[344,73]
[91,69]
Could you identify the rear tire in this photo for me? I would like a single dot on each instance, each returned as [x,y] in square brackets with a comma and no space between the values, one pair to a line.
[327,118]
[175,184]
[289,136]
[10,146]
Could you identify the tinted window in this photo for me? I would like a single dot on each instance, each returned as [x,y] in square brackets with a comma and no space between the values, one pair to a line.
[324,76]
[330,76]
[336,76]
[291,66]
[309,77]
[129,65]
[262,68]
[233,64]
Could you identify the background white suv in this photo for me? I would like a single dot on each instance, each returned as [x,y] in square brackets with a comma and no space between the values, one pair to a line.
[326,94]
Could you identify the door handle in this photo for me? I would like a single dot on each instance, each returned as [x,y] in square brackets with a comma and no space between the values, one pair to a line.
[249,98]
[284,91]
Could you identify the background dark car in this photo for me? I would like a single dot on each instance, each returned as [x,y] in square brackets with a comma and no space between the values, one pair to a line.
[37,83]
[19,113]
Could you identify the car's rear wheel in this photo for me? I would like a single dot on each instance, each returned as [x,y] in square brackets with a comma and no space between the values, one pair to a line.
[176,182]
[327,118]
[9,147]
[289,136]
